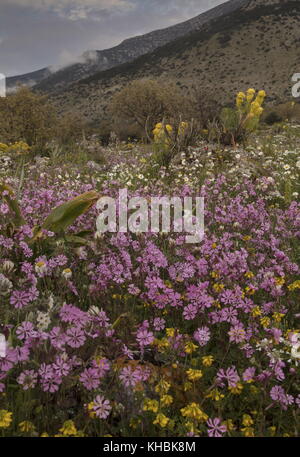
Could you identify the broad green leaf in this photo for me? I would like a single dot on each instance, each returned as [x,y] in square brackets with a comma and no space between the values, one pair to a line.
[64,215]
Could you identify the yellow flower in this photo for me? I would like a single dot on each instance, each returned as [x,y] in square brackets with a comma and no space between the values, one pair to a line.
[5,418]
[215,275]
[26,426]
[240,99]
[265,322]
[237,389]
[279,281]
[249,274]
[162,387]
[295,285]
[262,94]
[215,395]
[161,344]
[256,311]
[248,432]
[249,291]
[91,412]
[272,431]
[170,332]
[229,425]
[193,411]
[278,317]
[250,95]
[256,108]
[194,375]
[166,400]
[161,420]
[247,420]
[151,405]
[68,428]
[187,386]
[207,360]
[191,427]
[19,148]
[3,147]
[218,287]
[182,128]
[44,435]
[190,347]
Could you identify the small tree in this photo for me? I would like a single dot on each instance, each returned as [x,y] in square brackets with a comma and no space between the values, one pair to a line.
[149,101]
[27,116]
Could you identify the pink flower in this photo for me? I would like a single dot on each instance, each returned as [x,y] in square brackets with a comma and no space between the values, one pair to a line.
[101,407]
[75,337]
[19,299]
[144,337]
[216,429]
[130,377]
[90,378]
[27,379]
[202,336]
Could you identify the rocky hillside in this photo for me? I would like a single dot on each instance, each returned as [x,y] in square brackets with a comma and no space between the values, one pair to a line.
[92,62]
[257,44]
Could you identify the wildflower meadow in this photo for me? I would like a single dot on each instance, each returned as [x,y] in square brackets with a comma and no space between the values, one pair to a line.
[124,334]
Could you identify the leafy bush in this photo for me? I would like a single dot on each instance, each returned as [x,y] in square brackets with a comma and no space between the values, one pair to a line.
[27,116]
[149,101]
[273,118]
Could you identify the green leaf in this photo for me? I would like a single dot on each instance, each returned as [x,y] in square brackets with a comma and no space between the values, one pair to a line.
[64,215]
[12,203]
[229,118]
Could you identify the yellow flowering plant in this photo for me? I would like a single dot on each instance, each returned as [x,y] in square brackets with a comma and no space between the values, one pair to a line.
[169,139]
[237,123]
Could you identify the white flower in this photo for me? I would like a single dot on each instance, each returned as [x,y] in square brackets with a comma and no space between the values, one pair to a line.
[8,266]
[5,285]
[94,310]
[40,267]
[43,321]
[50,302]
[67,273]
[295,351]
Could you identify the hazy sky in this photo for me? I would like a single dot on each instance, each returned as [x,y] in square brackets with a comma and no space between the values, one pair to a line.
[39,33]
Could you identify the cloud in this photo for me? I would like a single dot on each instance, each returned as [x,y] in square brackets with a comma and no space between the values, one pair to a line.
[75,10]
[67,58]
[39,33]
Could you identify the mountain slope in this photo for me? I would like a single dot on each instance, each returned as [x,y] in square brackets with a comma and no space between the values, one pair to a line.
[92,62]
[256,45]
